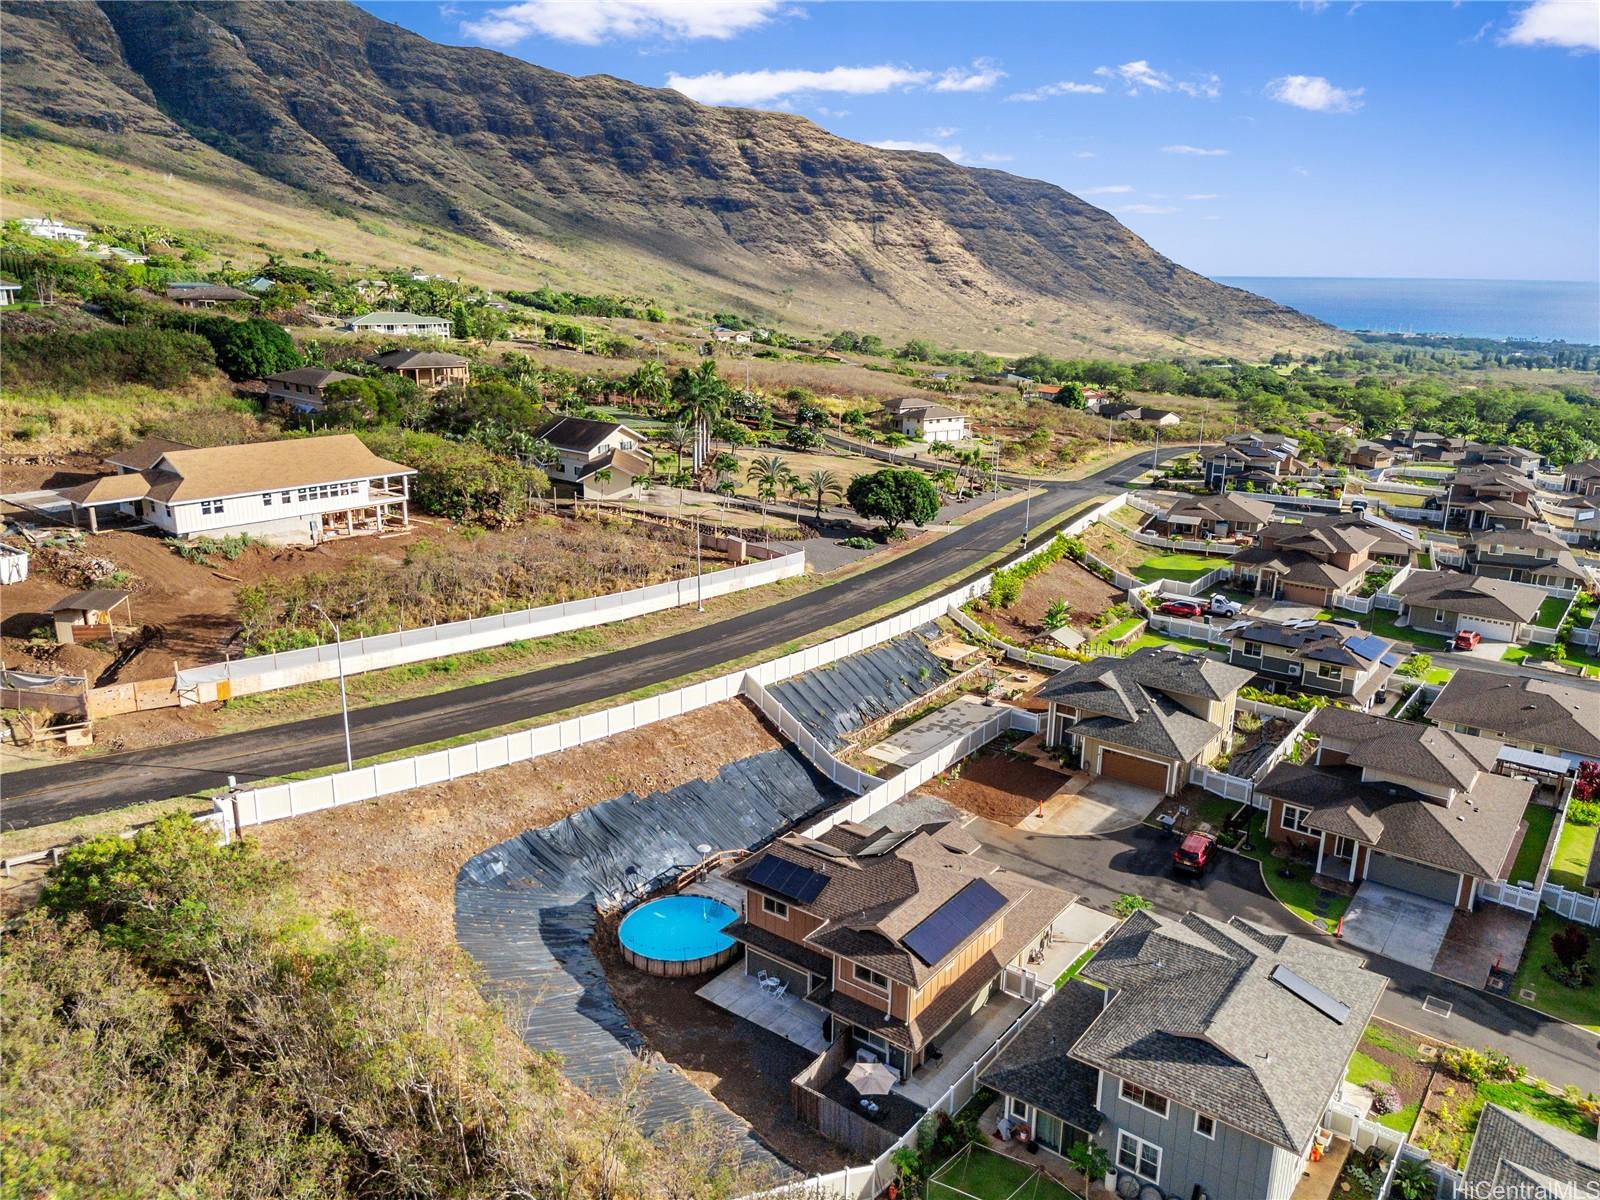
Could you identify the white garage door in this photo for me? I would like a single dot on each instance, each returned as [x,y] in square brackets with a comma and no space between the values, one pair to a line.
[1413,877]
[1493,631]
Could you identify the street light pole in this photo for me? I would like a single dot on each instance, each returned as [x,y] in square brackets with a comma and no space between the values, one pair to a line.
[344,699]
[1027,516]
[699,577]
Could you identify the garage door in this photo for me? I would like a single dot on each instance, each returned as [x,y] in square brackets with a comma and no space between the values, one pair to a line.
[1413,877]
[1494,631]
[1133,770]
[1301,593]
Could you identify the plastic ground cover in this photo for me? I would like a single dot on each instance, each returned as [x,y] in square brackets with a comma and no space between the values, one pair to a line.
[525,912]
[835,700]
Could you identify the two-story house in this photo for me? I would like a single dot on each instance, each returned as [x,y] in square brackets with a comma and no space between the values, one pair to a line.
[1520,459]
[1581,478]
[1203,1063]
[399,324]
[1406,805]
[300,390]
[428,369]
[1371,456]
[1229,515]
[597,459]
[1396,546]
[1544,716]
[1305,563]
[898,936]
[1260,458]
[1524,556]
[1489,495]
[1314,656]
[297,490]
[1447,602]
[924,421]
[1144,719]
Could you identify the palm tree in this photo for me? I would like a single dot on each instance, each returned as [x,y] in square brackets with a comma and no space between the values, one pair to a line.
[649,386]
[824,484]
[768,473]
[700,394]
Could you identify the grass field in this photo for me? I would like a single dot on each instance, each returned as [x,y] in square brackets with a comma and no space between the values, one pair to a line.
[1581,1006]
[1181,567]
[1123,627]
[1382,623]
[1161,639]
[1533,655]
[1365,1069]
[980,1172]
[1573,851]
[1541,820]
[1552,612]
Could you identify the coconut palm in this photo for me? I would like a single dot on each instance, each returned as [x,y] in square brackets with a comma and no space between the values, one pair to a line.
[768,473]
[823,484]
[679,437]
[649,386]
[700,394]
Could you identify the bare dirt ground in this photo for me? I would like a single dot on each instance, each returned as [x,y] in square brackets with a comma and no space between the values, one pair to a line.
[997,786]
[1087,596]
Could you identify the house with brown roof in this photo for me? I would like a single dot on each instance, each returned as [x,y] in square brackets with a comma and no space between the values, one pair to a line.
[1581,478]
[430,369]
[300,390]
[1545,716]
[296,490]
[1447,602]
[1261,459]
[1487,496]
[1307,562]
[1405,805]
[896,936]
[1230,515]
[1371,456]
[1524,556]
[1314,656]
[204,295]
[1144,719]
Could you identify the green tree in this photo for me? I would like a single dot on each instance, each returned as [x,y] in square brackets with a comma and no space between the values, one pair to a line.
[1091,1161]
[700,394]
[649,386]
[254,348]
[487,324]
[768,473]
[824,486]
[460,322]
[894,496]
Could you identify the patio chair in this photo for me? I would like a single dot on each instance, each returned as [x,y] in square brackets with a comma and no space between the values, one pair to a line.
[781,990]
[763,978]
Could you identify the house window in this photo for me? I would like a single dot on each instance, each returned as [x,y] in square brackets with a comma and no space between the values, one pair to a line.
[1251,650]
[1205,1127]
[210,507]
[1328,670]
[1143,1098]
[1138,1156]
[284,496]
[1438,616]
[266,499]
[776,908]
[871,978]
[1294,818]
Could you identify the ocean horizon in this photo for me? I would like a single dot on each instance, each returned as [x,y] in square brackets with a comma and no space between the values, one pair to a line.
[1540,310]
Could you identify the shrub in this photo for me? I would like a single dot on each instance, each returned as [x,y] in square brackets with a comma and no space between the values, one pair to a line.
[1127,904]
[859,543]
[253,348]
[801,438]
[1056,615]
[1583,812]
[1416,666]
[460,480]
[1385,1099]
[1413,1180]
[159,358]
[1570,946]
[1465,1063]
[894,496]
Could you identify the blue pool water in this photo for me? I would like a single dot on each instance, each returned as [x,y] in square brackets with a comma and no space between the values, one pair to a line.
[677,928]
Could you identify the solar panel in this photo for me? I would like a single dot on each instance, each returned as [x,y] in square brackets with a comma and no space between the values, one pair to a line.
[1290,980]
[787,879]
[1368,647]
[953,922]
[883,842]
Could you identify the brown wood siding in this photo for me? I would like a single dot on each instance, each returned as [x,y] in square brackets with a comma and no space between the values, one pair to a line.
[799,925]
[1277,833]
[956,967]
[844,980]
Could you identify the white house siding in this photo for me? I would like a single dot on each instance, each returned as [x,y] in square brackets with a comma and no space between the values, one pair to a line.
[1233,1166]
[938,429]
[252,513]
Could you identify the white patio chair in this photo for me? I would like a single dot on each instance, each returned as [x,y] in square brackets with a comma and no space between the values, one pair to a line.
[762,977]
[781,990]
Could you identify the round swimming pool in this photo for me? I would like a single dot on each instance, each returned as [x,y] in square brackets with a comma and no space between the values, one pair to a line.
[678,935]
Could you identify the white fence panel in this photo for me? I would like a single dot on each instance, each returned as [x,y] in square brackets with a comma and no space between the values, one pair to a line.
[1574,906]
[1522,898]
[1225,549]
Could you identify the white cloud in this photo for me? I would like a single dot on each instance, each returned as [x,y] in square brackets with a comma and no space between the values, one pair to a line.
[994,158]
[945,131]
[1301,171]
[1314,6]
[1147,210]
[1572,24]
[596,21]
[980,77]
[953,152]
[1065,88]
[1203,196]
[758,87]
[1084,154]
[1314,94]
[1140,75]
[1198,151]
[1210,217]
[1110,189]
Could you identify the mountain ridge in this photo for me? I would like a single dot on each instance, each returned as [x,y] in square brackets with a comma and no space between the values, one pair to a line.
[763,208]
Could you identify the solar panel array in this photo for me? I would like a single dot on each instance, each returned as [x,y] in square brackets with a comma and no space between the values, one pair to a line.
[883,842]
[1369,647]
[1286,977]
[786,879]
[953,922]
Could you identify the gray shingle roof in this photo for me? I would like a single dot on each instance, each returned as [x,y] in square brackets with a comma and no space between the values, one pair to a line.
[1543,712]
[576,433]
[1511,1150]
[394,360]
[1318,641]
[1037,1067]
[1408,749]
[1471,595]
[1230,507]
[1197,1017]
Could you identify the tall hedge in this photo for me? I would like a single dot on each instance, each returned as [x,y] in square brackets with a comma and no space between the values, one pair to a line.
[460,480]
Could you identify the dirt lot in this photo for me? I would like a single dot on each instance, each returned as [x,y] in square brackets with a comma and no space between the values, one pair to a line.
[998,786]
[1087,596]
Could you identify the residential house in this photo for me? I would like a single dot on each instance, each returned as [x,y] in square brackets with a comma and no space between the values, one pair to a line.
[1582,478]
[1203,1063]
[722,333]
[1525,556]
[924,421]
[1042,391]
[1516,1155]
[1544,716]
[52,230]
[1402,804]
[897,936]
[1487,496]
[204,295]
[1119,411]
[1397,545]
[10,292]
[1314,656]
[400,324]
[1305,563]
[1371,456]
[1093,398]
[301,389]
[1329,425]
[1258,458]
[429,369]
[1447,602]
[598,459]
[1523,461]
[1426,446]
[298,490]
[1144,719]
[1229,515]
[1161,417]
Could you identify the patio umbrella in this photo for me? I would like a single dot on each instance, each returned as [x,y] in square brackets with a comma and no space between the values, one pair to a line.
[872,1078]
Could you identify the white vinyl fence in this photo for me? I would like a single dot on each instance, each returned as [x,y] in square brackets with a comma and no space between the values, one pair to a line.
[289,668]
[1184,545]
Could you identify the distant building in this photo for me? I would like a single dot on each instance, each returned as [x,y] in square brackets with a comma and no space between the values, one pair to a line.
[301,389]
[1581,478]
[598,459]
[925,421]
[428,369]
[400,324]
[1305,563]
[1260,458]
[1371,456]
[10,292]
[52,230]
[1230,515]
[204,295]
[1525,556]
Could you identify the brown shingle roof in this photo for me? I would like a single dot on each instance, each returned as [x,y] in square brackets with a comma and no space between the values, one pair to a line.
[1472,595]
[143,455]
[1543,712]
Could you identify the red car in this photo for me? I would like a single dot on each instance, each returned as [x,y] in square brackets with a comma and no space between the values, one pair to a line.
[1467,639]
[1195,854]
[1181,608]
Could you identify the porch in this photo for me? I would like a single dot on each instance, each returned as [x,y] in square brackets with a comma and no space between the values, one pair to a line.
[789,1016]
[1319,1180]
[960,1049]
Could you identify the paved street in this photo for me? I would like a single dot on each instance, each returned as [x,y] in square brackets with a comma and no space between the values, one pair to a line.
[1137,860]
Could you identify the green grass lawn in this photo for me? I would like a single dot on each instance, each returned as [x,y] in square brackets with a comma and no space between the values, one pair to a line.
[1125,626]
[1294,890]
[1538,654]
[1580,1006]
[1162,639]
[1573,851]
[1382,622]
[1364,1070]
[1077,965]
[1181,567]
[1541,820]
[1552,612]
[981,1172]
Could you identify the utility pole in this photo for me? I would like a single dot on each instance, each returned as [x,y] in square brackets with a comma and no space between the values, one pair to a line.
[699,576]
[344,699]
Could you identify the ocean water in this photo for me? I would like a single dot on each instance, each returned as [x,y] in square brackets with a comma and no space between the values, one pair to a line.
[1488,308]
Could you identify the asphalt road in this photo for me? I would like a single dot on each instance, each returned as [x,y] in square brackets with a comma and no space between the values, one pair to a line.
[103,782]
[1137,861]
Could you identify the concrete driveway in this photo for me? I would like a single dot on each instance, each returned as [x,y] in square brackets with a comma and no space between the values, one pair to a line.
[1399,925]
[1091,804]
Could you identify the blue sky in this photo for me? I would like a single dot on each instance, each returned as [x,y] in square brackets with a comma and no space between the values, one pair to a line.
[1358,139]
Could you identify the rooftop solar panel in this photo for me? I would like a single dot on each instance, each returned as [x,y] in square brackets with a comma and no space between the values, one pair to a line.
[953,922]
[787,879]
[883,842]
[1296,984]
[1368,647]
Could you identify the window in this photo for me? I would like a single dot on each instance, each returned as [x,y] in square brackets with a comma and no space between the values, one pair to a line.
[870,977]
[1438,616]
[284,497]
[1251,650]
[266,499]
[1140,1157]
[1205,1126]
[210,507]
[776,908]
[1294,818]
[1329,670]
[1144,1098]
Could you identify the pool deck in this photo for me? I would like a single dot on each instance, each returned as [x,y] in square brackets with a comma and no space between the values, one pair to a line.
[789,1016]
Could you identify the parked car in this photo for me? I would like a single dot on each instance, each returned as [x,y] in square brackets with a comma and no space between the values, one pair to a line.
[1466,639]
[1181,608]
[1220,606]
[1195,854]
